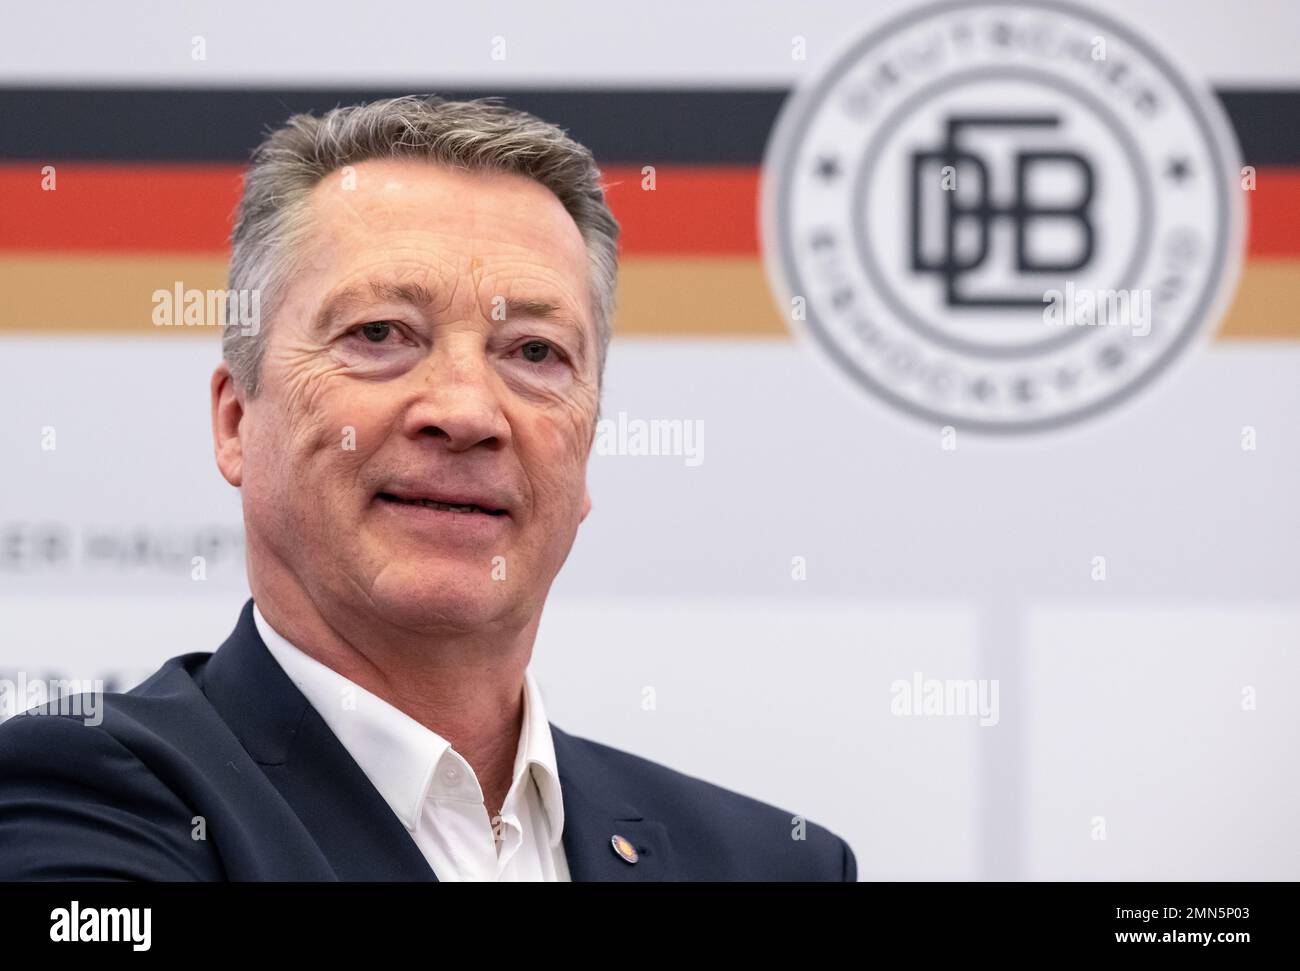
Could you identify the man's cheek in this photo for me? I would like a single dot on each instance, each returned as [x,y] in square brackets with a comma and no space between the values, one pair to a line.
[559,504]
[563,438]
[339,447]
[327,417]
[312,380]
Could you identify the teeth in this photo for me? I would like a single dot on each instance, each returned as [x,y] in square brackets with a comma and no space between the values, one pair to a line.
[442,505]
[439,505]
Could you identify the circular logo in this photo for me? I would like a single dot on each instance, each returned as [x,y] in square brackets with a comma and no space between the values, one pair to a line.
[1004,217]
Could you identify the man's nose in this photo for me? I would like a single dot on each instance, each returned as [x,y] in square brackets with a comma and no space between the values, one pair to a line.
[458,398]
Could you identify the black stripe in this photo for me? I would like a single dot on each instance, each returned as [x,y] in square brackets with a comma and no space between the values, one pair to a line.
[1267,124]
[640,126]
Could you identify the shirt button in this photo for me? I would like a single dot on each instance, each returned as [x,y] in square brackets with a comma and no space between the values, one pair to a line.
[451,773]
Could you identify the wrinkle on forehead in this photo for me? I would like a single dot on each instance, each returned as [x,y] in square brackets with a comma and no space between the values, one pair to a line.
[547,231]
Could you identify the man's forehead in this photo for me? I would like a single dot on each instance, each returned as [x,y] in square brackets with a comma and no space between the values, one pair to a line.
[351,208]
[351,232]
[386,183]
[421,296]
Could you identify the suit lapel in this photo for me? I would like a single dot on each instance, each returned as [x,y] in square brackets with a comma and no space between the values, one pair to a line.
[594,813]
[356,830]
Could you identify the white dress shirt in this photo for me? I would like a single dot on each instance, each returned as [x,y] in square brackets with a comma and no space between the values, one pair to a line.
[431,788]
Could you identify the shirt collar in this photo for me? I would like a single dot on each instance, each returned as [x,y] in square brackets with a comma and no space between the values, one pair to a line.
[397,753]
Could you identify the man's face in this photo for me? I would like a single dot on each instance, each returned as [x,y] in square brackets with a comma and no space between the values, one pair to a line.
[439,347]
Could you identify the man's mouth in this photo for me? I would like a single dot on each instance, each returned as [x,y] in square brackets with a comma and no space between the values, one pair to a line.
[466,508]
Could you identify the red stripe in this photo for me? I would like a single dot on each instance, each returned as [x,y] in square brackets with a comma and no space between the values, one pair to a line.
[692,210]
[118,208]
[1275,213]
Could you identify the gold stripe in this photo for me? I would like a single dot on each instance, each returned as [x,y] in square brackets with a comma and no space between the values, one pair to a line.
[99,294]
[1264,307]
[679,297]
[699,297]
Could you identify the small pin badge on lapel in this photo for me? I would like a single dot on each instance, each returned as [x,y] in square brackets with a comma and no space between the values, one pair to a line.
[623,848]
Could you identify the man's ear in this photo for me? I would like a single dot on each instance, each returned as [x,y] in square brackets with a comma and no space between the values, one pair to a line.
[227,412]
[586,502]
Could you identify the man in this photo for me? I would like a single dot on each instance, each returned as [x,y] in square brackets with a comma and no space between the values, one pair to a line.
[409,432]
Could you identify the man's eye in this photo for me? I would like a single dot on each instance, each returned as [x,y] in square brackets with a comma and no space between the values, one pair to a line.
[536,351]
[376,332]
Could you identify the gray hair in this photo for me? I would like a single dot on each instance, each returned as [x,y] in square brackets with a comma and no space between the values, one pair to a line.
[478,135]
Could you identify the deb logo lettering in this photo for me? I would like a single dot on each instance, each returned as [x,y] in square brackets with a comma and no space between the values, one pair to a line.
[964,175]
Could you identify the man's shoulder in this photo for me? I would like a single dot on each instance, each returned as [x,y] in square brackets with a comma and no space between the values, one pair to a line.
[81,794]
[159,706]
[170,689]
[709,821]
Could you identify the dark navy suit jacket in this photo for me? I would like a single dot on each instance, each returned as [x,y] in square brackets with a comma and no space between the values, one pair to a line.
[226,736]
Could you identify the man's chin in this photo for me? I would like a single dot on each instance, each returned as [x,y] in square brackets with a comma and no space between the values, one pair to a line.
[448,599]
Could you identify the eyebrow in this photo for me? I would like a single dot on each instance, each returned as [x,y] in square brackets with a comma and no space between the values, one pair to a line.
[419,296]
[338,304]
